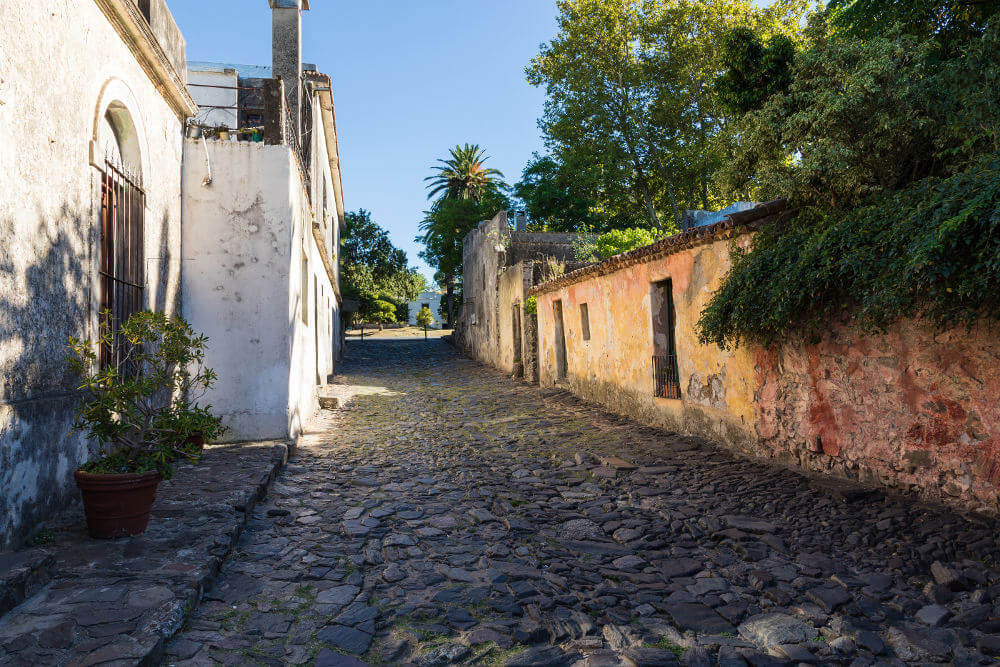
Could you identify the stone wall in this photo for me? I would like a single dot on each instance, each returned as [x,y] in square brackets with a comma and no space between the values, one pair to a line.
[913,409]
[62,67]
[500,265]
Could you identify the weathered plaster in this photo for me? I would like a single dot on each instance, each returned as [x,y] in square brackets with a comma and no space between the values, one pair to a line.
[913,409]
[245,237]
[49,210]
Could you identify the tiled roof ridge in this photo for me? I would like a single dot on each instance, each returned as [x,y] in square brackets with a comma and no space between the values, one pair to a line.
[732,225]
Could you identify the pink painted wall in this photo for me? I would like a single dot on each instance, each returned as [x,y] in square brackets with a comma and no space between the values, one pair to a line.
[915,408]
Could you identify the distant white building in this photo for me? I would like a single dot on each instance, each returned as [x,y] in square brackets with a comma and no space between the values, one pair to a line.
[431,299]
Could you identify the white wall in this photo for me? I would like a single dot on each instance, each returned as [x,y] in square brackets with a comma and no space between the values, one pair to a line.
[216,94]
[237,268]
[434,301]
[61,65]
[245,237]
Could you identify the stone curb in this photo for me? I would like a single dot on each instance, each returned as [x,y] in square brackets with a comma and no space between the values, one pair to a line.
[280,455]
[172,581]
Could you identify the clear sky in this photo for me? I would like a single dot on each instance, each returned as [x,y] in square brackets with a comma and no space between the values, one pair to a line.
[410,80]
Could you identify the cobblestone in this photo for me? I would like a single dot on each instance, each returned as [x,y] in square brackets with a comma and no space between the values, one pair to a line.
[446,514]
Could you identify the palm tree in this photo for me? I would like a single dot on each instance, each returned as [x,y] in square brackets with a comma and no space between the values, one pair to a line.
[464,176]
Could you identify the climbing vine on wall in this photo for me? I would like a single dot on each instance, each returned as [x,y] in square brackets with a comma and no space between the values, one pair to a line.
[931,250]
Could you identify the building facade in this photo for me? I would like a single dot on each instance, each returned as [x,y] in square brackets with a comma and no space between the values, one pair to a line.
[911,409]
[500,264]
[263,210]
[430,299]
[92,149]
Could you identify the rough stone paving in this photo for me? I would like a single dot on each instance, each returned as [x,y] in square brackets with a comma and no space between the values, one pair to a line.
[449,515]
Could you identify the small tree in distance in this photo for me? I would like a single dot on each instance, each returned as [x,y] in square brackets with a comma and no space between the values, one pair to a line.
[425,319]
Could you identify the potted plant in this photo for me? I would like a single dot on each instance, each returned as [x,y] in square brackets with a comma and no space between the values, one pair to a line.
[140,412]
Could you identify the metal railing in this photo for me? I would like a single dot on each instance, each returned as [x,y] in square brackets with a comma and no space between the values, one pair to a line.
[666,377]
[122,263]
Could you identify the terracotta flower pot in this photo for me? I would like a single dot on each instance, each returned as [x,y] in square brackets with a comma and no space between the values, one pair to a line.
[117,505]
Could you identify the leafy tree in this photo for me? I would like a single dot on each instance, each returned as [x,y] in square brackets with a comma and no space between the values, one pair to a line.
[896,170]
[629,85]
[618,241]
[557,197]
[378,311]
[951,21]
[424,317]
[831,141]
[754,71]
[464,175]
[372,268]
[444,226]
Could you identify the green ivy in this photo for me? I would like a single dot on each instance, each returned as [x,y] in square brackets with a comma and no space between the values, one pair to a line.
[931,250]
[531,305]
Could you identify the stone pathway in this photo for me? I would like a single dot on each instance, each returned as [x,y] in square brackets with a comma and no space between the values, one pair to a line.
[78,601]
[449,515]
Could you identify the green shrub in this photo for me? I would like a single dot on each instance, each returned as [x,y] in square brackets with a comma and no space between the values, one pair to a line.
[930,250]
[142,419]
[531,305]
[618,241]
[424,317]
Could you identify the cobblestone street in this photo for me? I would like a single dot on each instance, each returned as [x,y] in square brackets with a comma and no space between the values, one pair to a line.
[446,514]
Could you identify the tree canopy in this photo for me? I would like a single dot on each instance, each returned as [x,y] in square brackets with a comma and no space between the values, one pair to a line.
[372,267]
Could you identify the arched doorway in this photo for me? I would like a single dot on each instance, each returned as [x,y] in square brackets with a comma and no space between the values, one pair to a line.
[122,250]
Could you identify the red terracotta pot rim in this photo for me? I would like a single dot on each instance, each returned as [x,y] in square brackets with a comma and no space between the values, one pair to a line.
[117,476]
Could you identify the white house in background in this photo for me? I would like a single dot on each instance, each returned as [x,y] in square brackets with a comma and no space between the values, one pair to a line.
[431,299]
[261,226]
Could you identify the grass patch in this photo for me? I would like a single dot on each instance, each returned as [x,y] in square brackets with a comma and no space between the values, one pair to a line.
[664,643]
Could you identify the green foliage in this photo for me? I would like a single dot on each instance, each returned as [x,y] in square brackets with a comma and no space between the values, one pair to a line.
[930,250]
[629,92]
[464,175]
[561,195]
[622,240]
[378,311]
[372,267]
[835,139]
[142,420]
[950,21]
[424,317]
[754,71]
[531,305]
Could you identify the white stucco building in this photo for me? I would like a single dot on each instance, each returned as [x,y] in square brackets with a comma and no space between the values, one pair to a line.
[92,111]
[262,223]
[431,299]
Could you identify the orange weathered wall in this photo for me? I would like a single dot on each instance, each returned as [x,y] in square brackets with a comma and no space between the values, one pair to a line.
[915,408]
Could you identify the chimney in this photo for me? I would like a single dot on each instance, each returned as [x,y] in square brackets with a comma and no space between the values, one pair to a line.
[286,55]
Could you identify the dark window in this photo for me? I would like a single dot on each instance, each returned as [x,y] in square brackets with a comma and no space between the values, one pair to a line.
[144,9]
[123,206]
[584,321]
[560,333]
[666,375]
[425,305]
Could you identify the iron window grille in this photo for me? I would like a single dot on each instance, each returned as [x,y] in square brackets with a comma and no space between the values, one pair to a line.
[666,376]
[122,263]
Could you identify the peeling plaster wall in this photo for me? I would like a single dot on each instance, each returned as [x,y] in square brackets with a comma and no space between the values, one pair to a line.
[497,271]
[615,366]
[245,237]
[237,269]
[60,62]
[913,409]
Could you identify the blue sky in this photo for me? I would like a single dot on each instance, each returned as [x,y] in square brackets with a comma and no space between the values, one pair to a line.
[411,80]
